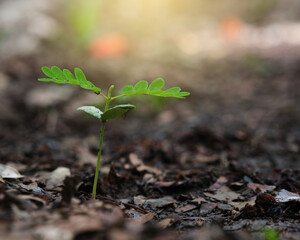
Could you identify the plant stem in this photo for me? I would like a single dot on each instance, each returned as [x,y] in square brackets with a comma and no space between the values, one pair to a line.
[108,99]
[98,161]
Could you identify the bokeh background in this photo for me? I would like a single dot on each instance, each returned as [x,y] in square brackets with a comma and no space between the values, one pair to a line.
[239,59]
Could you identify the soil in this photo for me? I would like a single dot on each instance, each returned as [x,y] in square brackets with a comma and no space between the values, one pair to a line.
[222,164]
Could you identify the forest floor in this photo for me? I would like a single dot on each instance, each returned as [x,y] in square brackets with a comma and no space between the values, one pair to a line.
[222,164]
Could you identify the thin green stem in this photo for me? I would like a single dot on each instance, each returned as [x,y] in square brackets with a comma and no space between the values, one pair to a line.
[103,96]
[98,161]
[108,99]
[113,98]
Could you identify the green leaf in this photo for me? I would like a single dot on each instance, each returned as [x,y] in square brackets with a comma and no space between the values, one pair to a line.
[46,79]
[155,89]
[142,91]
[47,71]
[183,94]
[95,112]
[140,85]
[58,73]
[127,88]
[157,84]
[116,111]
[83,82]
[69,75]
[173,90]
[60,81]
[168,95]
[60,77]
[157,93]
[88,85]
[74,82]
[80,76]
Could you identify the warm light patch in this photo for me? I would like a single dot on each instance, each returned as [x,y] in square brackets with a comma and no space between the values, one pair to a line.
[230,28]
[112,45]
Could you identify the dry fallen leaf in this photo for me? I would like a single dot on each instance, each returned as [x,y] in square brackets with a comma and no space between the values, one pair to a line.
[259,188]
[199,200]
[135,160]
[167,222]
[149,169]
[219,183]
[241,205]
[9,172]
[205,159]
[38,201]
[186,208]
[154,202]
[207,208]
[286,196]
[144,218]
[224,193]
[164,184]
[57,177]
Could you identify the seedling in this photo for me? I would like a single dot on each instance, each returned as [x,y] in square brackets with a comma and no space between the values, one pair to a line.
[64,76]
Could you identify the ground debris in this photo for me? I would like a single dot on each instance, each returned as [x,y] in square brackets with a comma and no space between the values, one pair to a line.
[285,196]
[9,172]
[222,172]
[167,222]
[186,208]
[259,188]
[224,193]
[154,203]
[57,177]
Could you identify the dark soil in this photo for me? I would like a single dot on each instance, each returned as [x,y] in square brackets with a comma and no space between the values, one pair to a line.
[223,164]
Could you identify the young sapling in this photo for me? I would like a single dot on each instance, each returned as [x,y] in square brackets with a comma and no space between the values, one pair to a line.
[56,75]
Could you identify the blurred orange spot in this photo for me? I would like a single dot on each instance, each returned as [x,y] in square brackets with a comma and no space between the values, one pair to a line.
[230,28]
[112,45]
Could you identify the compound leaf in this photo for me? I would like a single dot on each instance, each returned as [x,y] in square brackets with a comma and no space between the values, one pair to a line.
[116,111]
[60,77]
[157,84]
[95,112]
[155,89]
